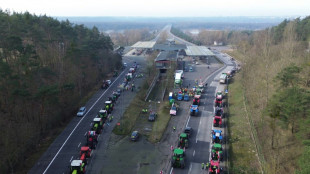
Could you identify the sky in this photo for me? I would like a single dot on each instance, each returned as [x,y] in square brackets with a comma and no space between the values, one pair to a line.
[160,8]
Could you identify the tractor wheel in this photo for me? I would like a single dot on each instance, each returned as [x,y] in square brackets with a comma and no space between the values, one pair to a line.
[172,162]
[182,164]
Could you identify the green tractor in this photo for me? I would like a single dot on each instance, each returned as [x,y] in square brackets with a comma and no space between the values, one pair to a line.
[178,158]
[77,167]
[103,114]
[97,125]
[217,152]
[183,140]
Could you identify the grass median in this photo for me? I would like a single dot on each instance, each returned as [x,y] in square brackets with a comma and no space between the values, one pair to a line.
[242,152]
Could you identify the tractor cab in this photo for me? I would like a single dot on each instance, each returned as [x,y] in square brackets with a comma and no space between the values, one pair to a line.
[102,114]
[183,140]
[219,93]
[92,139]
[186,97]
[218,102]
[112,99]
[180,96]
[116,94]
[217,136]
[85,153]
[219,111]
[97,125]
[200,87]
[77,167]
[178,158]
[194,110]
[217,121]
[217,148]
[196,101]
[215,156]
[109,106]
[214,167]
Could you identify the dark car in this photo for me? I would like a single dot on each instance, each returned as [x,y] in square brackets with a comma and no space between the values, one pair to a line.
[186,69]
[188,131]
[134,136]
[152,116]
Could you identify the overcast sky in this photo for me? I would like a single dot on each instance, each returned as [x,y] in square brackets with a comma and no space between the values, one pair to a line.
[160,8]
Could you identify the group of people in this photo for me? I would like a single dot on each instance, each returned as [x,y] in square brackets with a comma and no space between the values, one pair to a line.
[205,165]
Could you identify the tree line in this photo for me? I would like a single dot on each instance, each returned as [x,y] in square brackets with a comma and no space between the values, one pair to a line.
[46,67]
[275,71]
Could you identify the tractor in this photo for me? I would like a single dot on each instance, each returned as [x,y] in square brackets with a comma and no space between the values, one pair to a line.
[200,87]
[109,106]
[112,99]
[186,97]
[97,125]
[217,121]
[85,154]
[219,94]
[214,167]
[180,96]
[217,149]
[178,158]
[77,167]
[92,139]
[219,112]
[183,140]
[102,114]
[194,110]
[217,136]
[218,102]
[196,101]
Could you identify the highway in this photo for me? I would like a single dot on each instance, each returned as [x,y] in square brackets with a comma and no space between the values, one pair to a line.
[200,141]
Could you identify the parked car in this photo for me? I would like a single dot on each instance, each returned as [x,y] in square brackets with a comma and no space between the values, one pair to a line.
[134,136]
[173,110]
[81,111]
[109,82]
[152,116]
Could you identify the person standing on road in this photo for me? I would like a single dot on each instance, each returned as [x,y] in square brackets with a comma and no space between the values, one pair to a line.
[202,166]
[173,128]
[207,165]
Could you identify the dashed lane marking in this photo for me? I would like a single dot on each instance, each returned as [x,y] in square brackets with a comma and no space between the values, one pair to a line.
[71,159]
[79,144]
[80,122]
[194,153]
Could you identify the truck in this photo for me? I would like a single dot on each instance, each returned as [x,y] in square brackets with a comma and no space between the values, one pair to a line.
[178,79]
[223,78]
[180,72]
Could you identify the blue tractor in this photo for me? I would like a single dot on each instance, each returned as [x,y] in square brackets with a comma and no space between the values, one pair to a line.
[186,97]
[217,136]
[180,97]
[194,110]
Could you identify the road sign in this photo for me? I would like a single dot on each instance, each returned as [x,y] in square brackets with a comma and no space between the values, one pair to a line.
[226,91]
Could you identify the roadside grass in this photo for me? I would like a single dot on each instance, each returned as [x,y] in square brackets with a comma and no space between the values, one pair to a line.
[132,112]
[161,123]
[243,157]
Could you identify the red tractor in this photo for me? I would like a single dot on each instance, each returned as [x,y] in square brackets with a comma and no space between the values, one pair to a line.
[196,101]
[92,139]
[218,102]
[214,167]
[217,121]
[85,153]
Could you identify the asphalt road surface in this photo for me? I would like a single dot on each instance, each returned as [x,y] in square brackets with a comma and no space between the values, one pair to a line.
[67,145]
[200,141]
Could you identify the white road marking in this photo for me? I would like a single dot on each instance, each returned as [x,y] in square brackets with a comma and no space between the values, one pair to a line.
[80,122]
[85,134]
[79,144]
[199,122]
[71,159]
[188,121]
[90,124]
[171,170]
[194,153]
[196,140]
[190,168]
